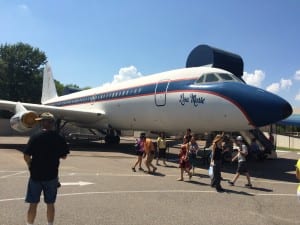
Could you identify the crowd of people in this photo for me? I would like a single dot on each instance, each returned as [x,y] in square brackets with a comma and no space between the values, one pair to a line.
[187,156]
[45,149]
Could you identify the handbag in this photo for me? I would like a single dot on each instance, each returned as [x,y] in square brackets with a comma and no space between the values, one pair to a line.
[211,172]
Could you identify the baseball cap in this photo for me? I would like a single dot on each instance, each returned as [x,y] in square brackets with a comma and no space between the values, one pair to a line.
[239,138]
[45,116]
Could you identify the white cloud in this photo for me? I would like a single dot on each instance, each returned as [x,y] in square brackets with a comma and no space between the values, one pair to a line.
[297,97]
[254,79]
[297,75]
[125,73]
[274,88]
[285,84]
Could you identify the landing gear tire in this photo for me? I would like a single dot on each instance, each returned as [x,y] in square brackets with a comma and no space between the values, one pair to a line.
[111,139]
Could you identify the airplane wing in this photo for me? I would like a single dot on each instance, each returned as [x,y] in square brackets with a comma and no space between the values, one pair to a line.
[67,114]
[293,120]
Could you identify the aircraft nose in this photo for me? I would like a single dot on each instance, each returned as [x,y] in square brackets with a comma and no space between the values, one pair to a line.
[265,108]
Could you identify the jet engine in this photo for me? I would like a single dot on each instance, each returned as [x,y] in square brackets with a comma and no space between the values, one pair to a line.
[23,121]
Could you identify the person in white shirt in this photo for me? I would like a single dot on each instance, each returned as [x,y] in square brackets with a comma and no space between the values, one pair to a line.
[242,165]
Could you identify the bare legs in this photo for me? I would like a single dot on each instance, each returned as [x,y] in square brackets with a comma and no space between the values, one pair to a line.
[50,213]
[181,173]
[31,214]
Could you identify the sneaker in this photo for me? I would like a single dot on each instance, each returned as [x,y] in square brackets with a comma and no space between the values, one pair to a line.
[154,170]
[230,183]
[141,169]
[220,189]
[248,185]
[133,169]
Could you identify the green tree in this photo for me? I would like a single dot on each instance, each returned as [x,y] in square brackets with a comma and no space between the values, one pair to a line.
[20,71]
[59,87]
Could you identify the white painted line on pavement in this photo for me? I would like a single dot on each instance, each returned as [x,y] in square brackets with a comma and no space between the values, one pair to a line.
[168,191]
[79,183]
[11,199]
[150,191]
[11,175]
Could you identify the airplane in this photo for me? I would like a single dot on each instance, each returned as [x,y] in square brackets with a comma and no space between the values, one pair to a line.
[200,98]
[292,120]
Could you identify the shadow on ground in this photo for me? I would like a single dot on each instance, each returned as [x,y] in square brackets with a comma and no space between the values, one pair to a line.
[274,169]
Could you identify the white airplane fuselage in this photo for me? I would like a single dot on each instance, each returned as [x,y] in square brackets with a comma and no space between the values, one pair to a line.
[172,101]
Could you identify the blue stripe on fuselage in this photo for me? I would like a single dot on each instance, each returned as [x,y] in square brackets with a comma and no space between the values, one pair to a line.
[247,98]
[136,91]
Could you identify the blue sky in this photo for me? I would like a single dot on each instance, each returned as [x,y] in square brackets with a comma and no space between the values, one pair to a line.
[93,42]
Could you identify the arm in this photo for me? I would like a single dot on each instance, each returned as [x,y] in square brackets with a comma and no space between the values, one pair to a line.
[27,159]
[297,173]
[63,157]
[243,150]
[212,154]
[187,151]
[65,148]
[235,157]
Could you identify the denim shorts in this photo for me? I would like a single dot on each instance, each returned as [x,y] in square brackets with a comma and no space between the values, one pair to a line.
[35,188]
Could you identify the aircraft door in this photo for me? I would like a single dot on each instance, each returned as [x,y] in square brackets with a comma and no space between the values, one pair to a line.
[161,90]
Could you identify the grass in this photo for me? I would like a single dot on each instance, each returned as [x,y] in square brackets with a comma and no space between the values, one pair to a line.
[288,149]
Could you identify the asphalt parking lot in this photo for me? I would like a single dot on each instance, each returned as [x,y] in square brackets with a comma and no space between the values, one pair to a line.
[98,187]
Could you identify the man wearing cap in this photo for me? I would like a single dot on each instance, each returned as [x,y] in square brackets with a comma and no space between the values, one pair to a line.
[42,155]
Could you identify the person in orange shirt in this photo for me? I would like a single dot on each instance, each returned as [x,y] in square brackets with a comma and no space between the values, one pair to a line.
[149,154]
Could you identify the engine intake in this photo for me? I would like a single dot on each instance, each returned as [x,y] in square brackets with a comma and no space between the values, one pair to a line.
[23,121]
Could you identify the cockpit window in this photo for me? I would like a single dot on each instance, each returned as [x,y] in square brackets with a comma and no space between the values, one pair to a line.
[211,78]
[201,79]
[216,77]
[225,76]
